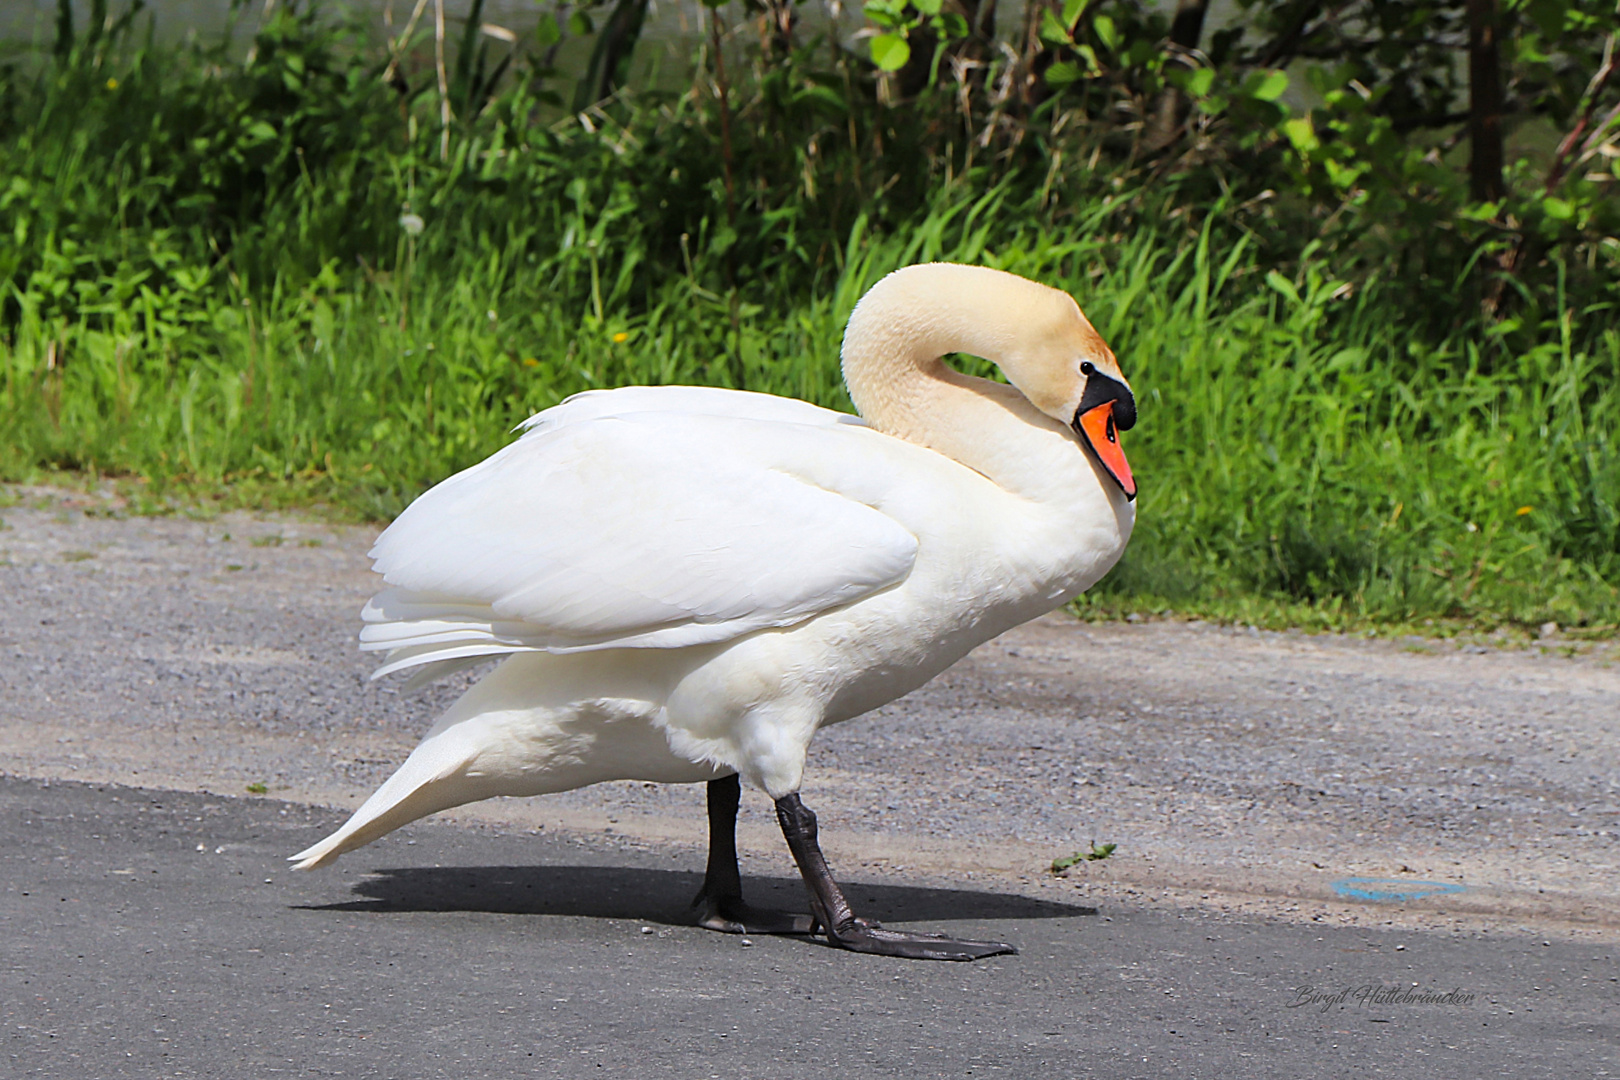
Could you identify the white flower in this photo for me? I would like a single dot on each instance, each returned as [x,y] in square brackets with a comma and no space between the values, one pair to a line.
[411,223]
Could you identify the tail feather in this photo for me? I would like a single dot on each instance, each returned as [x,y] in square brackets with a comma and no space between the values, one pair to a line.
[433,778]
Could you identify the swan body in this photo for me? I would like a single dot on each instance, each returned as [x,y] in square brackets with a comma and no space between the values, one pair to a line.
[685,583]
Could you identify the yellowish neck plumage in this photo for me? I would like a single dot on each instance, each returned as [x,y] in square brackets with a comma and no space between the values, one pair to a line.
[901,386]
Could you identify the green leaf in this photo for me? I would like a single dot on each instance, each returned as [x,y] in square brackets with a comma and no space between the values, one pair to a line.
[1302,133]
[823,96]
[1107,33]
[1072,10]
[887,12]
[579,24]
[928,7]
[1097,852]
[1062,74]
[1142,51]
[548,31]
[1271,87]
[1558,209]
[890,52]
[1199,82]
[1052,30]
[1344,176]
[1282,285]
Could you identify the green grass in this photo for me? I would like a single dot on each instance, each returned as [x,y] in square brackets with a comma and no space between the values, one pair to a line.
[1294,458]
[210,312]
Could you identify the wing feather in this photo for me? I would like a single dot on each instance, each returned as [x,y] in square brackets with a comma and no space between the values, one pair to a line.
[613,529]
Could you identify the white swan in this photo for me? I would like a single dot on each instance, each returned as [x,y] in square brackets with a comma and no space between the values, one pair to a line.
[687,583]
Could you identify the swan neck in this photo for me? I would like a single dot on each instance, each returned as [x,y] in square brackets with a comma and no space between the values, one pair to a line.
[900,332]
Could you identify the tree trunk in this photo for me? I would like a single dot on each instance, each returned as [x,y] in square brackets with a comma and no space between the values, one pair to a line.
[610,58]
[1029,88]
[1484,101]
[778,20]
[912,79]
[1188,26]
[977,48]
[1186,30]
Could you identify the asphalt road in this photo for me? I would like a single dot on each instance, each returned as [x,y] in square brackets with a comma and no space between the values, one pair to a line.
[152,669]
[145,937]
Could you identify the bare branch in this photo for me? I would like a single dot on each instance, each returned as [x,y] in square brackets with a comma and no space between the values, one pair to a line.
[444,80]
[1589,104]
[396,46]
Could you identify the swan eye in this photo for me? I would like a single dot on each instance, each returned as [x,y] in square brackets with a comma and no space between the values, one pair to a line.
[1087,368]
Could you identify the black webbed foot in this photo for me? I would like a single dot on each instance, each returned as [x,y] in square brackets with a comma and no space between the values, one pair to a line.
[833,911]
[870,937]
[719,904]
[733,915]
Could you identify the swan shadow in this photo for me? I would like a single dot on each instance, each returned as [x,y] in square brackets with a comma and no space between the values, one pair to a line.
[659,896]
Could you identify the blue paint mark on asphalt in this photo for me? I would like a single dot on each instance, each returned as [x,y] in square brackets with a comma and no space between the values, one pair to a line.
[1388,892]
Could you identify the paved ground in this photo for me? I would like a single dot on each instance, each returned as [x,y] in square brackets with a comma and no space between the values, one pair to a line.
[1249,780]
[466,953]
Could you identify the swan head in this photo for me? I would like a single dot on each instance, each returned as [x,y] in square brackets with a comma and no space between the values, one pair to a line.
[1037,335]
[1067,371]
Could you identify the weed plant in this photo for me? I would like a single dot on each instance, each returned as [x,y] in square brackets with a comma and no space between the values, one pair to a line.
[278,280]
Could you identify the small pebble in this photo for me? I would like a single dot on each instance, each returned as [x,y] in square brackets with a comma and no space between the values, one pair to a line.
[646,929]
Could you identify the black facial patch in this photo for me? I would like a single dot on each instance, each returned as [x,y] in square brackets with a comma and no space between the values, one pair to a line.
[1101,389]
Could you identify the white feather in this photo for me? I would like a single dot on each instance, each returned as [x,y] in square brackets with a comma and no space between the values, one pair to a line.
[645,529]
[684,582]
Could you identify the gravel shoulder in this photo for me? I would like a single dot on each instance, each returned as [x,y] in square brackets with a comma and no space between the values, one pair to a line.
[1237,771]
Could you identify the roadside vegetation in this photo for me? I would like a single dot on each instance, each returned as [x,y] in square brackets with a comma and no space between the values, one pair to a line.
[1378,367]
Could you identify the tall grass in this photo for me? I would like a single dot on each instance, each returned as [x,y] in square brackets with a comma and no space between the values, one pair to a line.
[217,283]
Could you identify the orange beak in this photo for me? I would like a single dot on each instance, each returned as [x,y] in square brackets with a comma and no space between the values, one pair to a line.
[1097,428]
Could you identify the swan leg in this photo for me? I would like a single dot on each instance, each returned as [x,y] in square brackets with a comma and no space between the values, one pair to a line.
[719,903]
[833,910]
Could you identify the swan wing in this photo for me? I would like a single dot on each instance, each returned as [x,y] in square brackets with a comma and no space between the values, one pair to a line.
[689,401]
[634,529]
